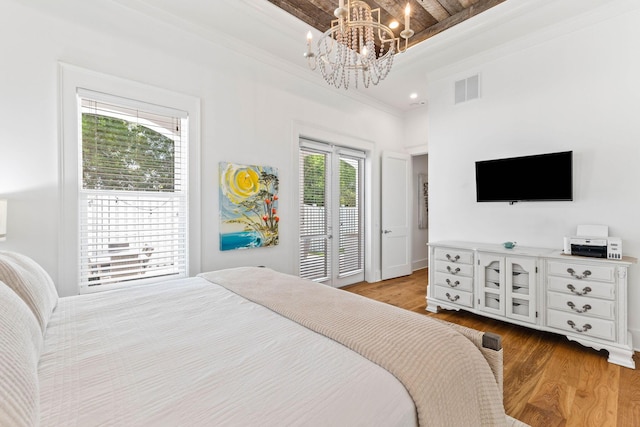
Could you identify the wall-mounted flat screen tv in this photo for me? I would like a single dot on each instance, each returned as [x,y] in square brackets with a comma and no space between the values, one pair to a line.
[543,177]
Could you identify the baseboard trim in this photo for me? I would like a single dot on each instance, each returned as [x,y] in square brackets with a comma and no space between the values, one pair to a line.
[419,264]
[635,336]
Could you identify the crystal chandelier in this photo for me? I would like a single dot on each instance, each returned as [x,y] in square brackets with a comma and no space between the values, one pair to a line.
[357,46]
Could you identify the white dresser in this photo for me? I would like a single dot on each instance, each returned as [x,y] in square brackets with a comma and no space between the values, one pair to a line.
[584,299]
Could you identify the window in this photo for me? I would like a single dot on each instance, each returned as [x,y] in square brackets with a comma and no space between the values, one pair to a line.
[130,167]
[133,204]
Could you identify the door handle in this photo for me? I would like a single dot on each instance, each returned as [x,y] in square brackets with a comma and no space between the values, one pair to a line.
[386,231]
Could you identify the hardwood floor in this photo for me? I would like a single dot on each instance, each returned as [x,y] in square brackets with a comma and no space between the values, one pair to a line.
[548,380]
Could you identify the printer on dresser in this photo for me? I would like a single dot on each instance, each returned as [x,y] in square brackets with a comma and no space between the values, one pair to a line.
[583,298]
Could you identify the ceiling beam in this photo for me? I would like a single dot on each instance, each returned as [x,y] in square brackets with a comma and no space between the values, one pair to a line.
[452,6]
[310,12]
[420,18]
[434,9]
[459,17]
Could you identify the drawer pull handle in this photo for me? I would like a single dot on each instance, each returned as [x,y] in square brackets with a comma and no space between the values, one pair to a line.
[585,290]
[452,299]
[454,284]
[452,271]
[584,308]
[453,258]
[584,328]
[584,275]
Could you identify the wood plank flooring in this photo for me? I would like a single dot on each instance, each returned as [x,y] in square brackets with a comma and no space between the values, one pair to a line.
[548,380]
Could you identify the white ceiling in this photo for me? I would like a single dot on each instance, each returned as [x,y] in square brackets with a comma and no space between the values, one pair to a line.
[258,28]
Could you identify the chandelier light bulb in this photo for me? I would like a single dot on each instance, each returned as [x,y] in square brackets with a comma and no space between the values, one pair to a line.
[407,13]
[309,53]
[309,40]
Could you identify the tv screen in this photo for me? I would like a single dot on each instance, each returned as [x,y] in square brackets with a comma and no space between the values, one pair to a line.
[543,177]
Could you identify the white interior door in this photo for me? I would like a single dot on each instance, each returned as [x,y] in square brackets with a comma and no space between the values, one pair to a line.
[396,202]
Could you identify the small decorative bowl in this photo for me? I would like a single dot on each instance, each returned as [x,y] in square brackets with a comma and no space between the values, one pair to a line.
[509,245]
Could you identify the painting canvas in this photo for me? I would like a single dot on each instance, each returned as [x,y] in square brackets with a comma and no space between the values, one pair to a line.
[423,197]
[248,206]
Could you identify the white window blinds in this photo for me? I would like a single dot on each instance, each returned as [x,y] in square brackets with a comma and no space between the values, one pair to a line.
[351,254]
[133,192]
[315,215]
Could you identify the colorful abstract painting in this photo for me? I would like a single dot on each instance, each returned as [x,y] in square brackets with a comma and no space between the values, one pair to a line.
[248,206]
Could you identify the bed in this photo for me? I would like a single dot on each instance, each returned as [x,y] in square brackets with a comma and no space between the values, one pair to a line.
[237,347]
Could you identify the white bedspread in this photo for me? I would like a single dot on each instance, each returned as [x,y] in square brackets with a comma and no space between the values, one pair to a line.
[189,353]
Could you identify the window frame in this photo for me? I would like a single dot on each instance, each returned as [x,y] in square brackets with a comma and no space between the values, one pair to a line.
[71,80]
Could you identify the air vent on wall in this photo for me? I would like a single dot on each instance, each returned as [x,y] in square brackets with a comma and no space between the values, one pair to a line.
[467,89]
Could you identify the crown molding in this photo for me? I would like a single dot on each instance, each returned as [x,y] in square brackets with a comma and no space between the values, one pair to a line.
[267,14]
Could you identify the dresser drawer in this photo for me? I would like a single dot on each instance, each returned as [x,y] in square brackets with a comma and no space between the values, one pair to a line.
[581,305]
[454,296]
[454,268]
[455,282]
[581,287]
[454,255]
[582,326]
[577,271]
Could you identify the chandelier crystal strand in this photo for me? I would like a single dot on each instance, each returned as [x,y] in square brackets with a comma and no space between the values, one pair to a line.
[357,45]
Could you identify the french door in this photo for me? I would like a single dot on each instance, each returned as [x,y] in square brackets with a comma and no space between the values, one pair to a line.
[331,214]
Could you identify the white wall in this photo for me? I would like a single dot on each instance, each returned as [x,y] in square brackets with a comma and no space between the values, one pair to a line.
[249,113]
[415,129]
[574,87]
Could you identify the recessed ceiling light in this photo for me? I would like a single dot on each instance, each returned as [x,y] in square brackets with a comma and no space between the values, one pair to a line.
[413,95]
[393,25]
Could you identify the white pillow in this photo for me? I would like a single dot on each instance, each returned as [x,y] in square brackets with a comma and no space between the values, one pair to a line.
[29,280]
[20,347]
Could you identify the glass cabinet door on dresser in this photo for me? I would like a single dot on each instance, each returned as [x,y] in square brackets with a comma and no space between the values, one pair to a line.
[520,275]
[507,286]
[491,288]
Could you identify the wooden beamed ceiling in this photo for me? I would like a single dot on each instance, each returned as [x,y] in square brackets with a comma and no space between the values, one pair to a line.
[428,17]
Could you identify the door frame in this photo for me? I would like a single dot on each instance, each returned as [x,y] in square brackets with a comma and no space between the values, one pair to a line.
[370,206]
